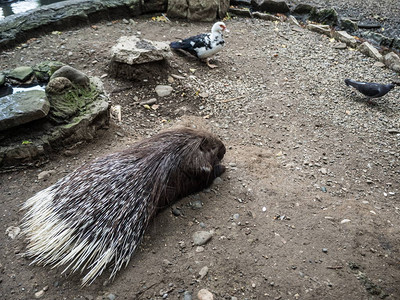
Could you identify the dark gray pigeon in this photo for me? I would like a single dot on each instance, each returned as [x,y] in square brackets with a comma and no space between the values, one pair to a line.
[369,89]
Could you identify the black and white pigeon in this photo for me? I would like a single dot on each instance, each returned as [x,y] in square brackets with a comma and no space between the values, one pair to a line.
[370,89]
[204,45]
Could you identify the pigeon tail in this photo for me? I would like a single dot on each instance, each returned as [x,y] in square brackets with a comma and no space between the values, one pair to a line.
[176,45]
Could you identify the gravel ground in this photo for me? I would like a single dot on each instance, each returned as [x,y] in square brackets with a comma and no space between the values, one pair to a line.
[309,206]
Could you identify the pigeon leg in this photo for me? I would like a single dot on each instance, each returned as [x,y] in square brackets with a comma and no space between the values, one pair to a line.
[210,64]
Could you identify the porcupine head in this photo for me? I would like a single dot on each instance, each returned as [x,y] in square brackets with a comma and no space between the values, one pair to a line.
[97,215]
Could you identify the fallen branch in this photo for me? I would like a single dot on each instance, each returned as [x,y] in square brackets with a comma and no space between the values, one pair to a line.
[232,99]
[335,267]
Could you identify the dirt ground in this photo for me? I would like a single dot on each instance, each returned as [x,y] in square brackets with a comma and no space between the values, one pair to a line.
[309,206]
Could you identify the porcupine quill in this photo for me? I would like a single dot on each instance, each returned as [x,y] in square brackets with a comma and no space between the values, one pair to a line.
[97,215]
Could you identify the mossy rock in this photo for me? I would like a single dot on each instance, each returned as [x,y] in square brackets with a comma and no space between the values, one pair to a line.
[45,69]
[71,103]
[21,74]
[326,16]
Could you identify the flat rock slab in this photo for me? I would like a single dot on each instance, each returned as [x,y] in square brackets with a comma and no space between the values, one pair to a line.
[21,73]
[21,108]
[133,50]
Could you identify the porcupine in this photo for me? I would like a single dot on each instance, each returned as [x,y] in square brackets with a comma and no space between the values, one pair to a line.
[98,214]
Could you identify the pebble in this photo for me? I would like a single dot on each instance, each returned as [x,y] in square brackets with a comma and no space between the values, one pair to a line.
[39,294]
[13,232]
[111,297]
[203,272]
[148,102]
[197,204]
[46,174]
[344,221]
[236,216]
[325,250]
[163,90]
[201,237]
[199,249]
[187,295]
[204,294]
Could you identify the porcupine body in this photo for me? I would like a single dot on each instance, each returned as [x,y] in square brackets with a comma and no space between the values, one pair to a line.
[97,215]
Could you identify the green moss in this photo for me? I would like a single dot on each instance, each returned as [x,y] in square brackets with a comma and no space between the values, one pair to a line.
[72,103]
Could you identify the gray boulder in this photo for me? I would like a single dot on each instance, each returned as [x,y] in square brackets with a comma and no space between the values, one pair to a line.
[348,25]
[271,6]
[133,50]
[68,100]
[392,61]
[302,9]
[21,108]
[327,16]
[198,10]
[154,5]
[21,73]
[2,79]
[75,76]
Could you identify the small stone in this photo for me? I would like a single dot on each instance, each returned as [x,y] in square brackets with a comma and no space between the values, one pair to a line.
[204,294]
[264,16]
[111,297]
[340,46]
[292,20]
[370,51]
[236,216]
[163,90]
[199,249]
[323,171]
[197,204]
[346,38]
[187,295]
[46,174]
[13,231]
[203,272]
[379,64]
[148,102]
[344,221]
[323,29]
[325,250]
[201,237]
[39,294]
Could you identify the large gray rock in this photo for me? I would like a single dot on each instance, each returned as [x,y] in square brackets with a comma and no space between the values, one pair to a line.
[133,50]
[327,16]
[41,138]
[2,79]
[21,73]
[392,61]
[61,15]
[74,75]
[271,6]
[198,10]
[370,51]
[323,29]
[302,8]
[21,108]
[154,5]
[68,100]
[346,38]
